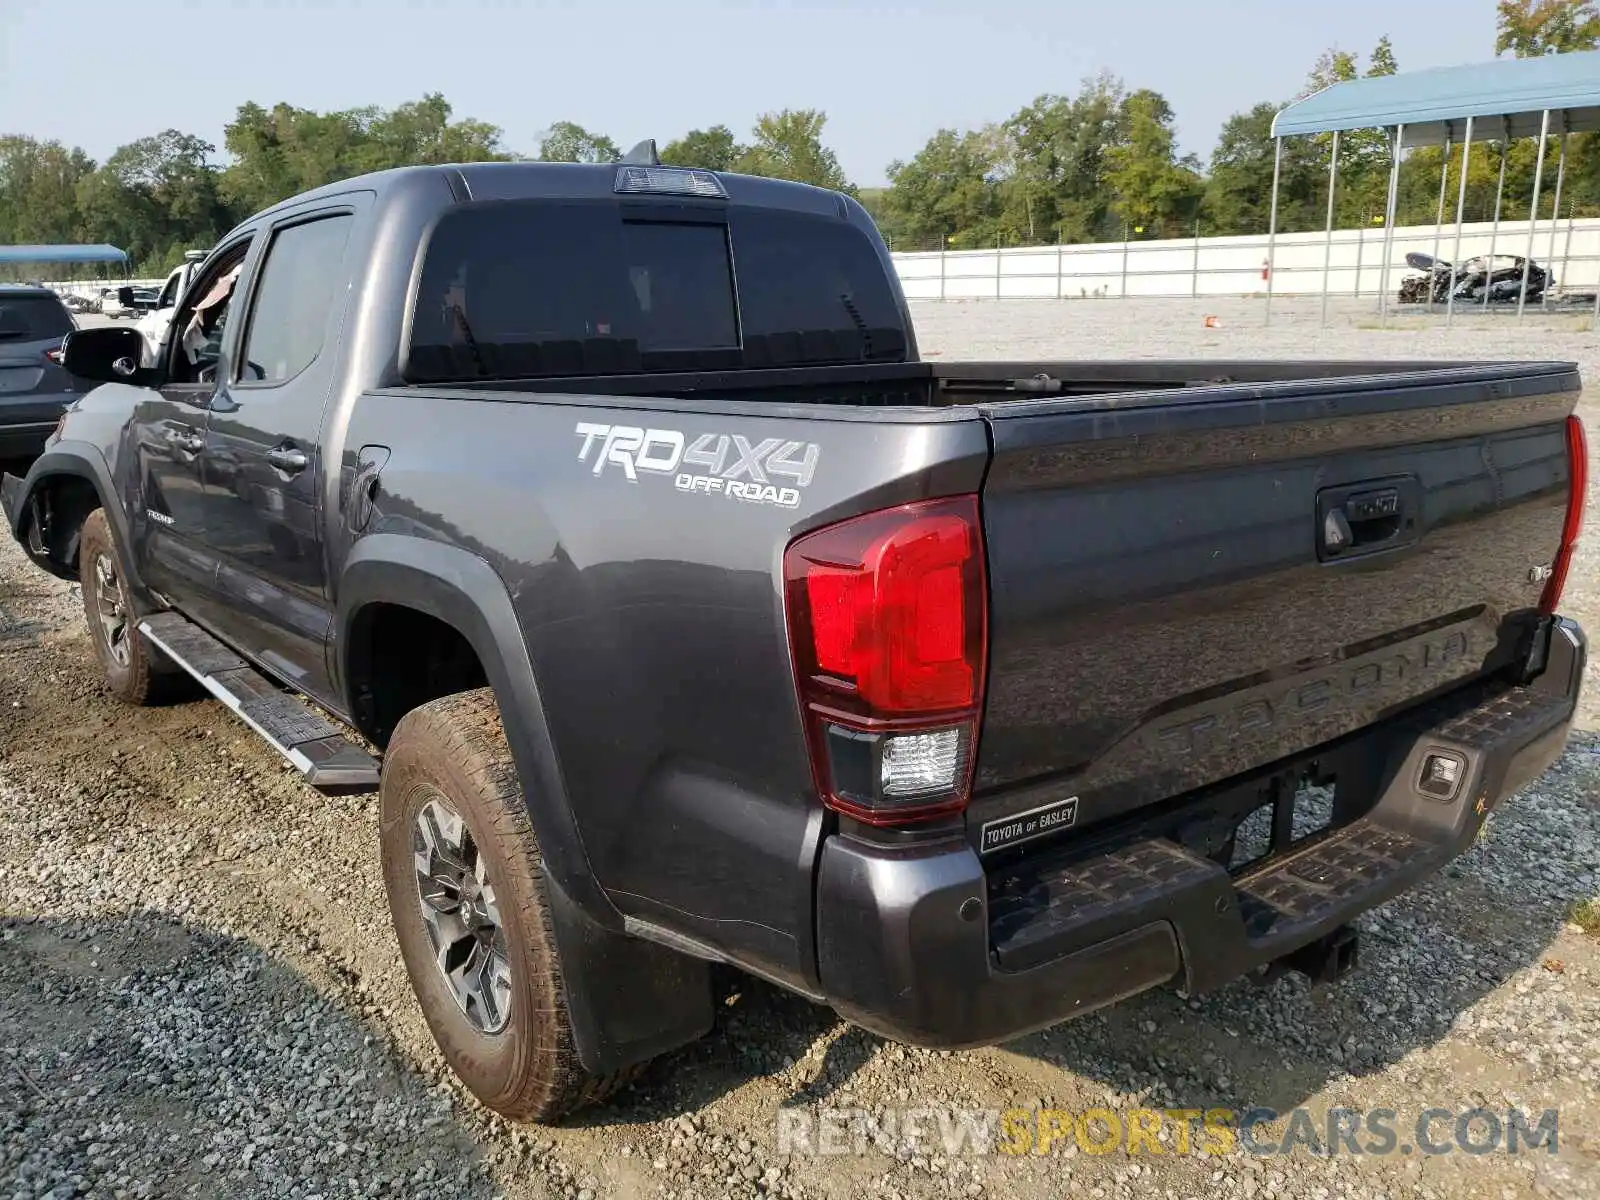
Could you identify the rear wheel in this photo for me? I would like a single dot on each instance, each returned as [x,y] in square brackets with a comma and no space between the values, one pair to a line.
[464,878]
[136,672]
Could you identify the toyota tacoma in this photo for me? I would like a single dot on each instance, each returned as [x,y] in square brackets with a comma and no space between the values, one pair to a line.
[606,522]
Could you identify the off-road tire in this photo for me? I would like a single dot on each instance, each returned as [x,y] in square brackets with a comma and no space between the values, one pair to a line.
[529,1070]
[141,674]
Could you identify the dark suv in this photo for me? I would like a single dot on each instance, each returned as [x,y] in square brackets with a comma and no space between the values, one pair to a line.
[34,388]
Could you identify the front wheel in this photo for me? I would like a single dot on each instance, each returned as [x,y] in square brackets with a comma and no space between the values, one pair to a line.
[466,894]
[136,672]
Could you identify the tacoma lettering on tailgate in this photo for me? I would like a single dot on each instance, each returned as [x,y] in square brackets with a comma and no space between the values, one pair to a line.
[1263,711]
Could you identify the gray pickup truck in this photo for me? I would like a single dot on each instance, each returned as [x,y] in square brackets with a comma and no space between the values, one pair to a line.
[680,614]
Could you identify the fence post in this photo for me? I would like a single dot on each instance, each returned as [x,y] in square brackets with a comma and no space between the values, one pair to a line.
[1499,197]
[942,241]
[1555,217]
[1122,288]
[1533,217]
[1327,245]
[1061,270]
[1444,180]
[1272,221]
[1194,273]
[1566,246]
[1388,224]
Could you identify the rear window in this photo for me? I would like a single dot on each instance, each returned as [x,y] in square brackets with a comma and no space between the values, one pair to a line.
[530,288]
[33,318]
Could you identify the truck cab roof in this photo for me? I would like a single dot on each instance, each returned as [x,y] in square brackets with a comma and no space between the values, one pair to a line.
[555,181]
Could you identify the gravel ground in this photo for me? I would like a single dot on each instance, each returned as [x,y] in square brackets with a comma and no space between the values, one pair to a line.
[200,994]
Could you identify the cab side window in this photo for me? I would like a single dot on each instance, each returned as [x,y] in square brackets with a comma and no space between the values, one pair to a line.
[195,337]
[299,277]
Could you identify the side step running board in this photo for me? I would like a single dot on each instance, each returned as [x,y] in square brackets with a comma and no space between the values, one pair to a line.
[314,746]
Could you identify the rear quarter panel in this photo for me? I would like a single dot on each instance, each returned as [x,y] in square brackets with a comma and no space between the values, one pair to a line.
[654,619]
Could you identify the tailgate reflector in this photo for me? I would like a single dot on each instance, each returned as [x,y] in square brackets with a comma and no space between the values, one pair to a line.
[1577,486]
[888,616]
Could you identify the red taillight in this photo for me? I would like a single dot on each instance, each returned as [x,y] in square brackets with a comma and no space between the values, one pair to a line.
[54,355]
[1577,485]
[888,625]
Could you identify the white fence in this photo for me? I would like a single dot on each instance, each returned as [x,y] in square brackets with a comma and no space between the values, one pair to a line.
[1234,266]
[1217,266]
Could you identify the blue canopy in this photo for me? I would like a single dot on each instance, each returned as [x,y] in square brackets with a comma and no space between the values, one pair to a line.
[62,254]
[1508,97]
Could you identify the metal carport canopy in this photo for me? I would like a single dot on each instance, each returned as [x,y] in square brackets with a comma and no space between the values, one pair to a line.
[101,253]
[1434,105]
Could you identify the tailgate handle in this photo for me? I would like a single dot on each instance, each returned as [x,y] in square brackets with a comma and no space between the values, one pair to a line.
[1364,519]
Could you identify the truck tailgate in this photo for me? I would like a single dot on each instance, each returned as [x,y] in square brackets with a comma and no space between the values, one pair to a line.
[1188,585]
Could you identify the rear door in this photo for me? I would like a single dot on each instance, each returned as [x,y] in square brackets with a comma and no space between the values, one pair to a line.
[1190,585]
[262,449]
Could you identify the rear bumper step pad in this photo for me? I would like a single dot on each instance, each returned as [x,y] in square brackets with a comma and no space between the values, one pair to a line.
[313,745]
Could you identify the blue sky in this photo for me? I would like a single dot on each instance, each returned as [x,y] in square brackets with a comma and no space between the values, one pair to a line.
[99,73]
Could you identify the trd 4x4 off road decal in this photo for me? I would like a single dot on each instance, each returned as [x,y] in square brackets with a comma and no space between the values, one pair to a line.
[713,464]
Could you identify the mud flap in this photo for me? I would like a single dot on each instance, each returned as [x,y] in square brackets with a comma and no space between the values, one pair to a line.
[629,1000]
[10,492]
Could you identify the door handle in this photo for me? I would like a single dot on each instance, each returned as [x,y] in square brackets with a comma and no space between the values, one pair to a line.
[1367,518]
[288,459]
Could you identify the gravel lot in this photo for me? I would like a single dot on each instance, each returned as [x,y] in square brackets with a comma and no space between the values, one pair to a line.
[200,994]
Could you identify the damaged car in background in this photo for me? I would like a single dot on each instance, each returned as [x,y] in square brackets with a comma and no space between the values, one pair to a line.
[1501,274]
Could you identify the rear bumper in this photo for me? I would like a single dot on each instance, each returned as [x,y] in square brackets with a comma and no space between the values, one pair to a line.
[920,944]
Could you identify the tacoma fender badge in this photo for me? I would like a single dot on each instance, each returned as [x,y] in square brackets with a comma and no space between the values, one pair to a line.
[1025,826]
[159,516]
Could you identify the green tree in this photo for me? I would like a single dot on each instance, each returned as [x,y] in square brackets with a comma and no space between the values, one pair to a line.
[279,152]
[714,149]
[568,142]
[1531,28]
[38,190]
[1382,60]
[1364,154]
[422,132]
[1332,66]
[876,202]
[157,197]
[285,150]
[1151,187]
[947,193]
[1056,173]
[788,145]
[1238,191]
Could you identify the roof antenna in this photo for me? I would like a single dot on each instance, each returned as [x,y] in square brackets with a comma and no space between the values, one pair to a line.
[643,155]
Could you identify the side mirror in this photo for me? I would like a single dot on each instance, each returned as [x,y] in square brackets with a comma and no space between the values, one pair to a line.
[106,355]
